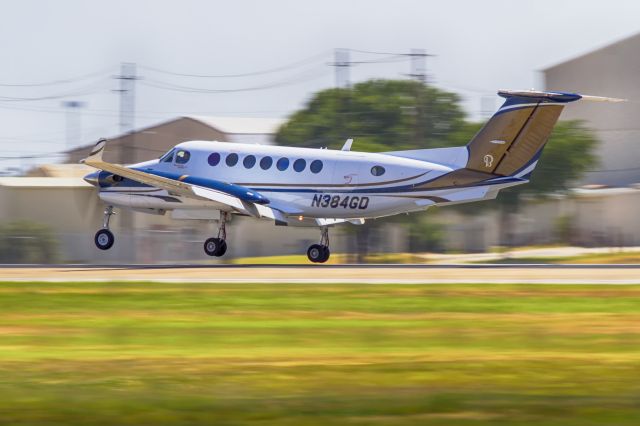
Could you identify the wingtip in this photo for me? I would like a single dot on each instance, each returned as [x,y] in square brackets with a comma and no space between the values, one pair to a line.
[96,151]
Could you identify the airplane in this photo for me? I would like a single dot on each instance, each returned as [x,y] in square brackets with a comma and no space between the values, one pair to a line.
[294,186]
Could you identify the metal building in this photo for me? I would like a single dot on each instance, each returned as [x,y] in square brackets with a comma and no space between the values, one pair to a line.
[614,71]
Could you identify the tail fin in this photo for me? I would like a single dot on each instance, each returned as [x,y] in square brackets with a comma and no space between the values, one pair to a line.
[510,143]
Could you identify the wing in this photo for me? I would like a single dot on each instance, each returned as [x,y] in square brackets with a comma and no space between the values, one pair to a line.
[239,199]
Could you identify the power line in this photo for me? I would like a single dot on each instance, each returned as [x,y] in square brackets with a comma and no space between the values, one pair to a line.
[103,72]
[370,52]
[88,90]
[286,67]
[191,89]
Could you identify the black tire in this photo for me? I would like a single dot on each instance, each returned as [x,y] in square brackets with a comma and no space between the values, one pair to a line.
[215,246]
[223,249]
[325,254]
[315,253]
[104,239]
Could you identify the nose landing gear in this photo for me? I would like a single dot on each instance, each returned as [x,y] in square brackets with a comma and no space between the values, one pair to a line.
[319,253]
[218,246]
[104,238]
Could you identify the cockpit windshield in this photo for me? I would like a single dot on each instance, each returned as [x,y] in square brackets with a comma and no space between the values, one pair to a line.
[168,157]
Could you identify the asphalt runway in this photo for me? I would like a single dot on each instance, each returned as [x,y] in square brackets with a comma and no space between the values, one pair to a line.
[329,274]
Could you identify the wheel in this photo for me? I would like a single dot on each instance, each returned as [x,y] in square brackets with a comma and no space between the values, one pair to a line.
[316,253]
[325,254]
[223,249]
[104,239]
[215,247]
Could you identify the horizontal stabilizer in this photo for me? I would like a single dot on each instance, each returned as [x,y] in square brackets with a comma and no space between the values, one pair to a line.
[561,97]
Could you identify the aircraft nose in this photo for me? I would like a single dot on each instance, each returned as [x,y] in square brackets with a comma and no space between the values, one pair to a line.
[92,178]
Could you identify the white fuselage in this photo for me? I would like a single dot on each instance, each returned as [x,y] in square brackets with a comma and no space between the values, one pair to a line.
[326,184]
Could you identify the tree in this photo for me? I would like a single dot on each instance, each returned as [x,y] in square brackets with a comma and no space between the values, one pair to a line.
[381,115]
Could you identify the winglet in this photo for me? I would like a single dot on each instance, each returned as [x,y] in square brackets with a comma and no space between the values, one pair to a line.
[347,145]
[96,153]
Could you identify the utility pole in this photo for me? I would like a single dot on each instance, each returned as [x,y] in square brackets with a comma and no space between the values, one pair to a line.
[126,91]
[74,125]
[342,64]
[419,65]
[419,73]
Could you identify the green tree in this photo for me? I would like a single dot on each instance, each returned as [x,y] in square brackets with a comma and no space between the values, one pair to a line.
[381,115]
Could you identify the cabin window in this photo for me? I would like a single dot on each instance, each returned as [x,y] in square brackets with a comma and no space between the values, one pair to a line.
[315,166]
[232,159]
[266,163]
[377,170]
[214,159]
[283,164]
[168,157]
[182,157]
[249,161]
[299,165]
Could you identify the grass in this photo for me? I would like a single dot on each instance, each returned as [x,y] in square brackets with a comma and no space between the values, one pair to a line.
[587,259]
[181,354]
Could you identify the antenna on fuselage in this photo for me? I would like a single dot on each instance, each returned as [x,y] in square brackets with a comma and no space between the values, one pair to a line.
[347,145]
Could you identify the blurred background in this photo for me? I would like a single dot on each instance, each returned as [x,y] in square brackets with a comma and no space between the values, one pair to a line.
[390,75]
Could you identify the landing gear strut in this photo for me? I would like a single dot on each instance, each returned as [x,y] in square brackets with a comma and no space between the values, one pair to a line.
[104,238]
[218,246]
[319,253]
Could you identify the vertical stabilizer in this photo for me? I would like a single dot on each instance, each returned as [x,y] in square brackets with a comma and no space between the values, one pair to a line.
[510,143]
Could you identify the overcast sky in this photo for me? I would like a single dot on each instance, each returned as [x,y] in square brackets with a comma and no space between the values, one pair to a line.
[481,46]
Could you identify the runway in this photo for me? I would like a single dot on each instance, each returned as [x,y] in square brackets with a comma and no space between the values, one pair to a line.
[329,274]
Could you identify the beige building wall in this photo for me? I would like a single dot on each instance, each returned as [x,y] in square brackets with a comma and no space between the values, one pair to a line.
[611,71]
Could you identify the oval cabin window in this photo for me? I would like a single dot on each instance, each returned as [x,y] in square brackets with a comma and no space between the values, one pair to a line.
[299,165]
[315,166]
[283,164]
[265,163]
[249,161]
[232,159]
[214,159]
[377,170]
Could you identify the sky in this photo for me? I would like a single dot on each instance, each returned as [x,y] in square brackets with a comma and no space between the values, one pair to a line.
[478,47]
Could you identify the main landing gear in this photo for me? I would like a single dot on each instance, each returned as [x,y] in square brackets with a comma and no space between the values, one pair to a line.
[218,246]
[319,253]
[104,238]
